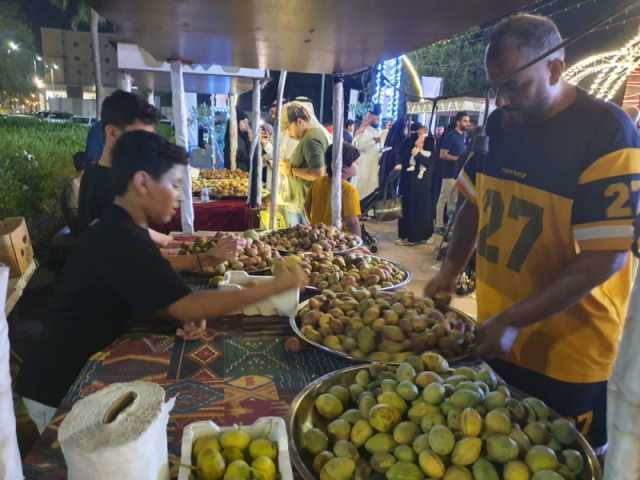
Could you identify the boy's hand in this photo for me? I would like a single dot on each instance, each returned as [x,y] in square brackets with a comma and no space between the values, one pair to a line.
[192,331]
[225,250]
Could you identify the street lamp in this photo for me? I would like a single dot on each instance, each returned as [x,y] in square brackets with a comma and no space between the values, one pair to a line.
[13,46]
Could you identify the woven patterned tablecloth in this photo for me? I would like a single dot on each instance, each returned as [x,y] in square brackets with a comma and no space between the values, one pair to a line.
[236,374]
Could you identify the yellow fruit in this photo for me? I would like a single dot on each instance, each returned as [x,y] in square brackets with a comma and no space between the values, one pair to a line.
[329,406]
[263,447]
[204,443]
[315,440]
[338,469]
[546,475]
[465,398]
[470,423]
[541,458]
[382,461]
[434,362]
[516,470]
[321,459]
[405,432]
[564,431]
[537,433]
[574,461]
[265,467]
[456,472]
[380,442]
[501,448]
[483,469]
[497,421]
[237,438]
[431,464]
[238,470]
[383,417]
[210,464]
[441,440]
[404,471]
[360,433]
[339,429]
[466,451]
[231,454]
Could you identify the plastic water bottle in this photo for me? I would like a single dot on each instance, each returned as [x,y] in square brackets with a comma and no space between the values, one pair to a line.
[204,195]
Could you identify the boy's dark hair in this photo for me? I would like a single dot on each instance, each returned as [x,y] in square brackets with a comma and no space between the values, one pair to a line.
[460,116]
[349,155]
[296,112]
[142,151]
[79,161]
[348,123]
[121,109]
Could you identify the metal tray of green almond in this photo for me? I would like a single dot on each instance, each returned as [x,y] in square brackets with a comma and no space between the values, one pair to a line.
[303,416]
[296,326]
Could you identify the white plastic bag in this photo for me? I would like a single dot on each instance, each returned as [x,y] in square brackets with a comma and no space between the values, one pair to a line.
[10,466]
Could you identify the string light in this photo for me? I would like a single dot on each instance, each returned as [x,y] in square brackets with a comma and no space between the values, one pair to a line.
[610,69]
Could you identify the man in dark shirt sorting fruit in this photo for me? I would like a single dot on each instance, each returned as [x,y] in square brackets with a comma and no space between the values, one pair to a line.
[117,279]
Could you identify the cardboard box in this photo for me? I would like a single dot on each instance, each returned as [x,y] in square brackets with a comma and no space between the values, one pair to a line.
[16,250]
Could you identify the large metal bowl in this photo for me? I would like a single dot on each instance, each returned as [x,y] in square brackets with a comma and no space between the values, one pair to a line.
[407,277]
[444,309]
[303,415]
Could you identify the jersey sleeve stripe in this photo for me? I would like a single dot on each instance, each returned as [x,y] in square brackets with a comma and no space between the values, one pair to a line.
[603,232]
[621,162]
[465,185]
[608,244]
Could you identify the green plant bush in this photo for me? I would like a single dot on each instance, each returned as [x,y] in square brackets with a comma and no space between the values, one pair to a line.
[35,164]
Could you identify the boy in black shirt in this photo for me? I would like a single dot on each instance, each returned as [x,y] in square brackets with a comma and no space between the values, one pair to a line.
[121,112]
[117,278]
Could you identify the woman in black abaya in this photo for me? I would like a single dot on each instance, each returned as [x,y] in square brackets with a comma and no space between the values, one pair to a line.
[244,143]
[415,160]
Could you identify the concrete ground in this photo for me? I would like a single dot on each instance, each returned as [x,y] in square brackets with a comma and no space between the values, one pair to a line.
[419,260]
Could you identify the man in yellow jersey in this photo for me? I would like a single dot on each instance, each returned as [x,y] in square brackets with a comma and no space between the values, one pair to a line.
[551,208]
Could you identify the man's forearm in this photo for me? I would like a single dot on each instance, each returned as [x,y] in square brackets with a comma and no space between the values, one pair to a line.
[583,274]
[308,174]
[463,240]
[353,225]
[212,304]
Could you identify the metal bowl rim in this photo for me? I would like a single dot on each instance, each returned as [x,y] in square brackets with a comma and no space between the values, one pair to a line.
[408,277]
[298,332]
[301,467]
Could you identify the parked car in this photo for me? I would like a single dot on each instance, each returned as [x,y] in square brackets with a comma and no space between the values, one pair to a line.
[58,117]
[80,120]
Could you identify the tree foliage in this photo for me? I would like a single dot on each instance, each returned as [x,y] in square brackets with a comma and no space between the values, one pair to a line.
[459,60]
[16,67]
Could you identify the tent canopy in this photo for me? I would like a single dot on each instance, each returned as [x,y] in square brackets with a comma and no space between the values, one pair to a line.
[155,75]
[311,36]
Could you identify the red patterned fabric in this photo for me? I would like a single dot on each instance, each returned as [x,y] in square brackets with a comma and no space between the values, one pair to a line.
[216,215]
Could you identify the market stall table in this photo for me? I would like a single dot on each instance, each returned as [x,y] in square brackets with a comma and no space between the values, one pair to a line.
[224,215]
[237,373]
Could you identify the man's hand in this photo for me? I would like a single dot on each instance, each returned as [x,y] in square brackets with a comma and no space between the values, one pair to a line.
[225,250]
[288,277]
[444,281]
[285,168]
[496,337]
[398,167]
[192,331]
[415,151]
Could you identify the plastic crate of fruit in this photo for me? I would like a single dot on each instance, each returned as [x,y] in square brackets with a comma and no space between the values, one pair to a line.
[198,437]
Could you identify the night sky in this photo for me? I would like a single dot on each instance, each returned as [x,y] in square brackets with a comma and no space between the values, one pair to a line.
[40,13]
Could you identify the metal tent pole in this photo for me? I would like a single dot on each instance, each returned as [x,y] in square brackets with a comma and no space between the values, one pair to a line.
[338,121]
[322,99]
[181,127]
[233,131]
[255,157]
[275,175]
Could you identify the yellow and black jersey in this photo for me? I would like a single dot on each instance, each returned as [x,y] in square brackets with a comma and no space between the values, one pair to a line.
[545,193]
